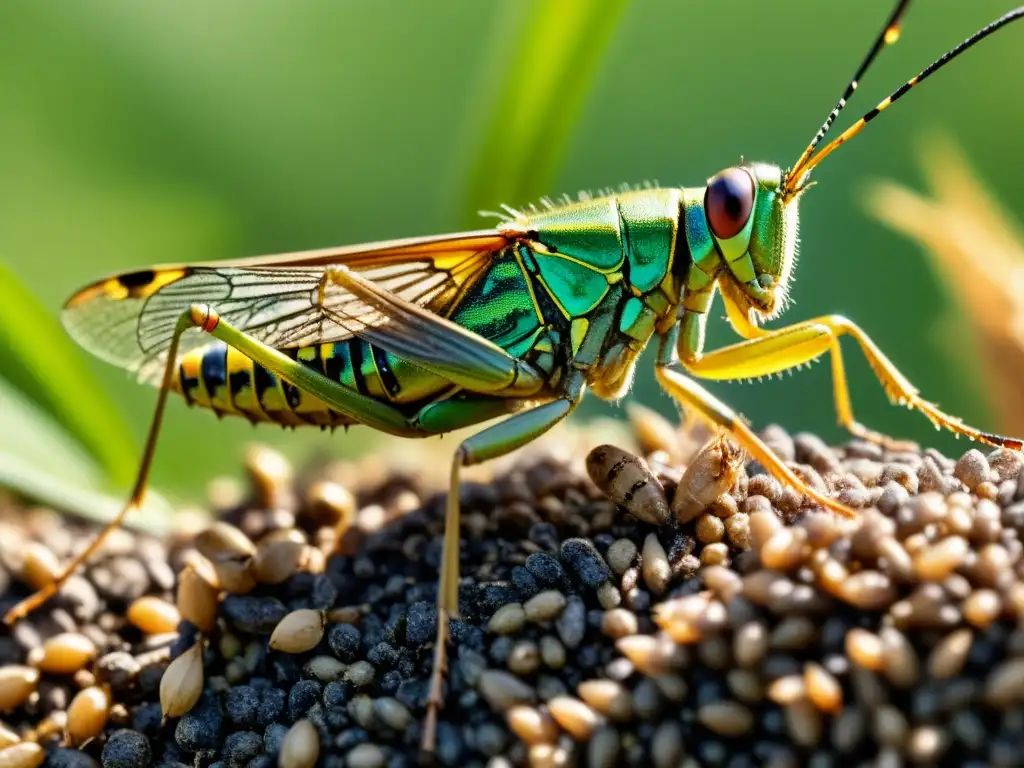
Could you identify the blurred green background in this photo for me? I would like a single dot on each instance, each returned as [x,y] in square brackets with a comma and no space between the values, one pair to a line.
[138,133]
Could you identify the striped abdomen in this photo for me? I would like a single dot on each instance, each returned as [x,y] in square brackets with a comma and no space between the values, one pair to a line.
[224,380]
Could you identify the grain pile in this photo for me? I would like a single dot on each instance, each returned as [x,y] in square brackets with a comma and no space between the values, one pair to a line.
[616,611]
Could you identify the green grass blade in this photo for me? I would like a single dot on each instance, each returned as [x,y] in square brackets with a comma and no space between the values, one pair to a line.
[38,359]
[40,461]
[548,53]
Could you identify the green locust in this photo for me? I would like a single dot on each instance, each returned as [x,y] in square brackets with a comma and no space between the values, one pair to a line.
[423,336]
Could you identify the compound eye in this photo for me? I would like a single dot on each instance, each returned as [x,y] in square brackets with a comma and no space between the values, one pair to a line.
[728,202]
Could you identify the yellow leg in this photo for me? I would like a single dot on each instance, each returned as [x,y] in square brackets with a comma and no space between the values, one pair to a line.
[496,440]
[717,414]
[767,352]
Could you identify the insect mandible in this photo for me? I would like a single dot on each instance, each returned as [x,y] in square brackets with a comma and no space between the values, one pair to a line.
[423,336]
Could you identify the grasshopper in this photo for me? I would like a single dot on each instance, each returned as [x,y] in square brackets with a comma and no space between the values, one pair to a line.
[423,336]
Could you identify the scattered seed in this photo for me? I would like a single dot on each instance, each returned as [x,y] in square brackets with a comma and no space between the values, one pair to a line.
[982,607]
[621,555]
[507,620]
[40,566]
[532,725]
[544,607]
[503,690]
[608,697]
[574,716]
[17,683]
[182,683]
[299,631]
[23,755]
[619,622]
[656,570]
[153,616]
[279,557]
[823,689]
[949,655]
[301,746]
[87,714]
[66,653]
[710,473]
[196,599]
[726,718]
[628,481]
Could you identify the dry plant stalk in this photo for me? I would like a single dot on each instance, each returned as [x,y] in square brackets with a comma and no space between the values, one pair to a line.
[978,250]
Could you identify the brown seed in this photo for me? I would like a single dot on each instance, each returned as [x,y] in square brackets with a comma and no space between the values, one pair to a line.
[87,714]
[901,665]
[787,690]
[972,469]
[621,555]
[667,745]
[949,655]
[222,541]
[301,746]
[866,649]
[503,690]
[726,718]
[40,566]
[652,430]
[279,557]
[182,683]
[785,550]
[1005,684]
[524,658]
[750,643]
[982,607]
[330,504]
[531,725]
[869,591]
[619,622]
[715,554]
[325,668]
[299,631]
[154,616]
[17,683]
[764,523]
[366,756]
[608,697]
[712,472]
[270,475]
[196,599]
[644,651]
[737,529]
[66,653]
[936,562]
[803,721]
[823,689]
[25,754]
[628,481]
[709,528]
[546,606]
[235,576]
[574,716]
[552,652]
[681,617]
[8,736]
[656,569]
[507,620]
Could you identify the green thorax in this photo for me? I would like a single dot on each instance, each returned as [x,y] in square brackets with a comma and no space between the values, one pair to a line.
[603,275]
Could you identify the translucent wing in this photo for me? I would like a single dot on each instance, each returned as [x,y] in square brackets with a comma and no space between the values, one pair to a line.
[283,301]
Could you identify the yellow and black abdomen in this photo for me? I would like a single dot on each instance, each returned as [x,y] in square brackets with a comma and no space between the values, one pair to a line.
[224,380]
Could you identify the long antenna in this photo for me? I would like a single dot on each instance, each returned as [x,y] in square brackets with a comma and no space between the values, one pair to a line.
[806,163]
[890,34]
